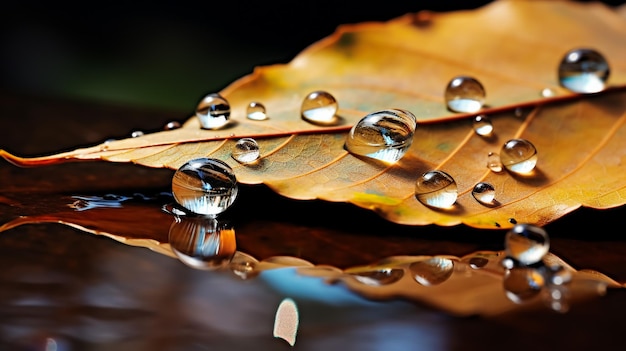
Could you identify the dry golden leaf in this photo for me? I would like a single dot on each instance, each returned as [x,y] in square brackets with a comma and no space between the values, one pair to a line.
[512,47]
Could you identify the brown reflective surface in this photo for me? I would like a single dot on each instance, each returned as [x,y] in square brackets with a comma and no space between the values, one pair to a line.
[87,263]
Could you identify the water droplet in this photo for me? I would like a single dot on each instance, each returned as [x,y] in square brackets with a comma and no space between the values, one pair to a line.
[519,156]
[436,189]
[384,135]
[465,94]
[522,283]
[319,107]
[526,243]
[432,271]
[213,111]
[172,125]
[558,275]
[379,277]
[244,266]
[202,242]
[484,193]
[584,71]
[256,111]
[246,150]
[557,298]
[519,112]
[136,134]
[205,186]
[478,262]
[482,125]
[493,162]
[547,92]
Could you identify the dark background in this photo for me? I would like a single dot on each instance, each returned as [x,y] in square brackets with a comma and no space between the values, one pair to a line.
[167,54]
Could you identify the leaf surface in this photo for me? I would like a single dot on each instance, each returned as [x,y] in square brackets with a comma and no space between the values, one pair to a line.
[512,47]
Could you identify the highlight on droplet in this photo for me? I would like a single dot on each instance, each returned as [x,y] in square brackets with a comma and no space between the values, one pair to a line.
[287,320]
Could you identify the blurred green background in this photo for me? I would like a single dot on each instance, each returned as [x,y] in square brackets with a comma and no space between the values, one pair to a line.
[166,55]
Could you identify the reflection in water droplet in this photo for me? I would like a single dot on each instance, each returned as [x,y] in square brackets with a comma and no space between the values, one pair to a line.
[244,266]
[319,107]
[519,156]
[522,283]
[256,111]
[432,271]
[557,297]
[136,134]
[436,189]
[584,71]
[172,125]
[558,275]
[287,321]
[202,242]
[246,150]
[478,262]
[526,243]
[205,186]
[379,277]
[213,111]
[547,92]
[384,135]
[464,94]
[493,162]
[484,193]
[483,125]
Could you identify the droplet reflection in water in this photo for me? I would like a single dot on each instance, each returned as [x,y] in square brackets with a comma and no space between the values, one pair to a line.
[256,111]
[320,107]
[464,94]
[213,111]
[246,150]
[522,283]
[384,135]
[432,271]
[482,125]
[493,162]
[436,189]
[526,243]
[519,156]
[584,71]
[379,277]
[484,193]
[205,186]
[202,242]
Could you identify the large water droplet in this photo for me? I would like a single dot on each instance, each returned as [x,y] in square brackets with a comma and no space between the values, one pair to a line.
[484,193]
[483,125]
[246,150]
[522,283]
[256,111]
[436,189]
[205,186]
[213,111]
[432,271]
[493,162]
[319,107]
[584,71]
[379,277]
[464,94]
[202,242]
[519,156]
[384,135]
[526,243]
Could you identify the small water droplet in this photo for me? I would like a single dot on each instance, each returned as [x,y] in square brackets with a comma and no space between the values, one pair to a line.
[384,135]
[136,134]
[483,125]
[547,92]
[584,71]
[205,186]
[519,156]
[432,271]
[558,275]
[246,150]
[379,277]
[202,242]
[244,266]
[256,111]
[519,112]
[526,243]
[172,125]
[436,189]
[464,94]
[484,193]
[522,283]
[493,162]
[478,262]
[213,111]
[319,107]
[557,297]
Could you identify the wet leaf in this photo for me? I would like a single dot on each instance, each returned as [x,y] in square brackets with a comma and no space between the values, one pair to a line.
[512,47]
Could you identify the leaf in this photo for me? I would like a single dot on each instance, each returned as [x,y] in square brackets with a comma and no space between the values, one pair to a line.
[512,47]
